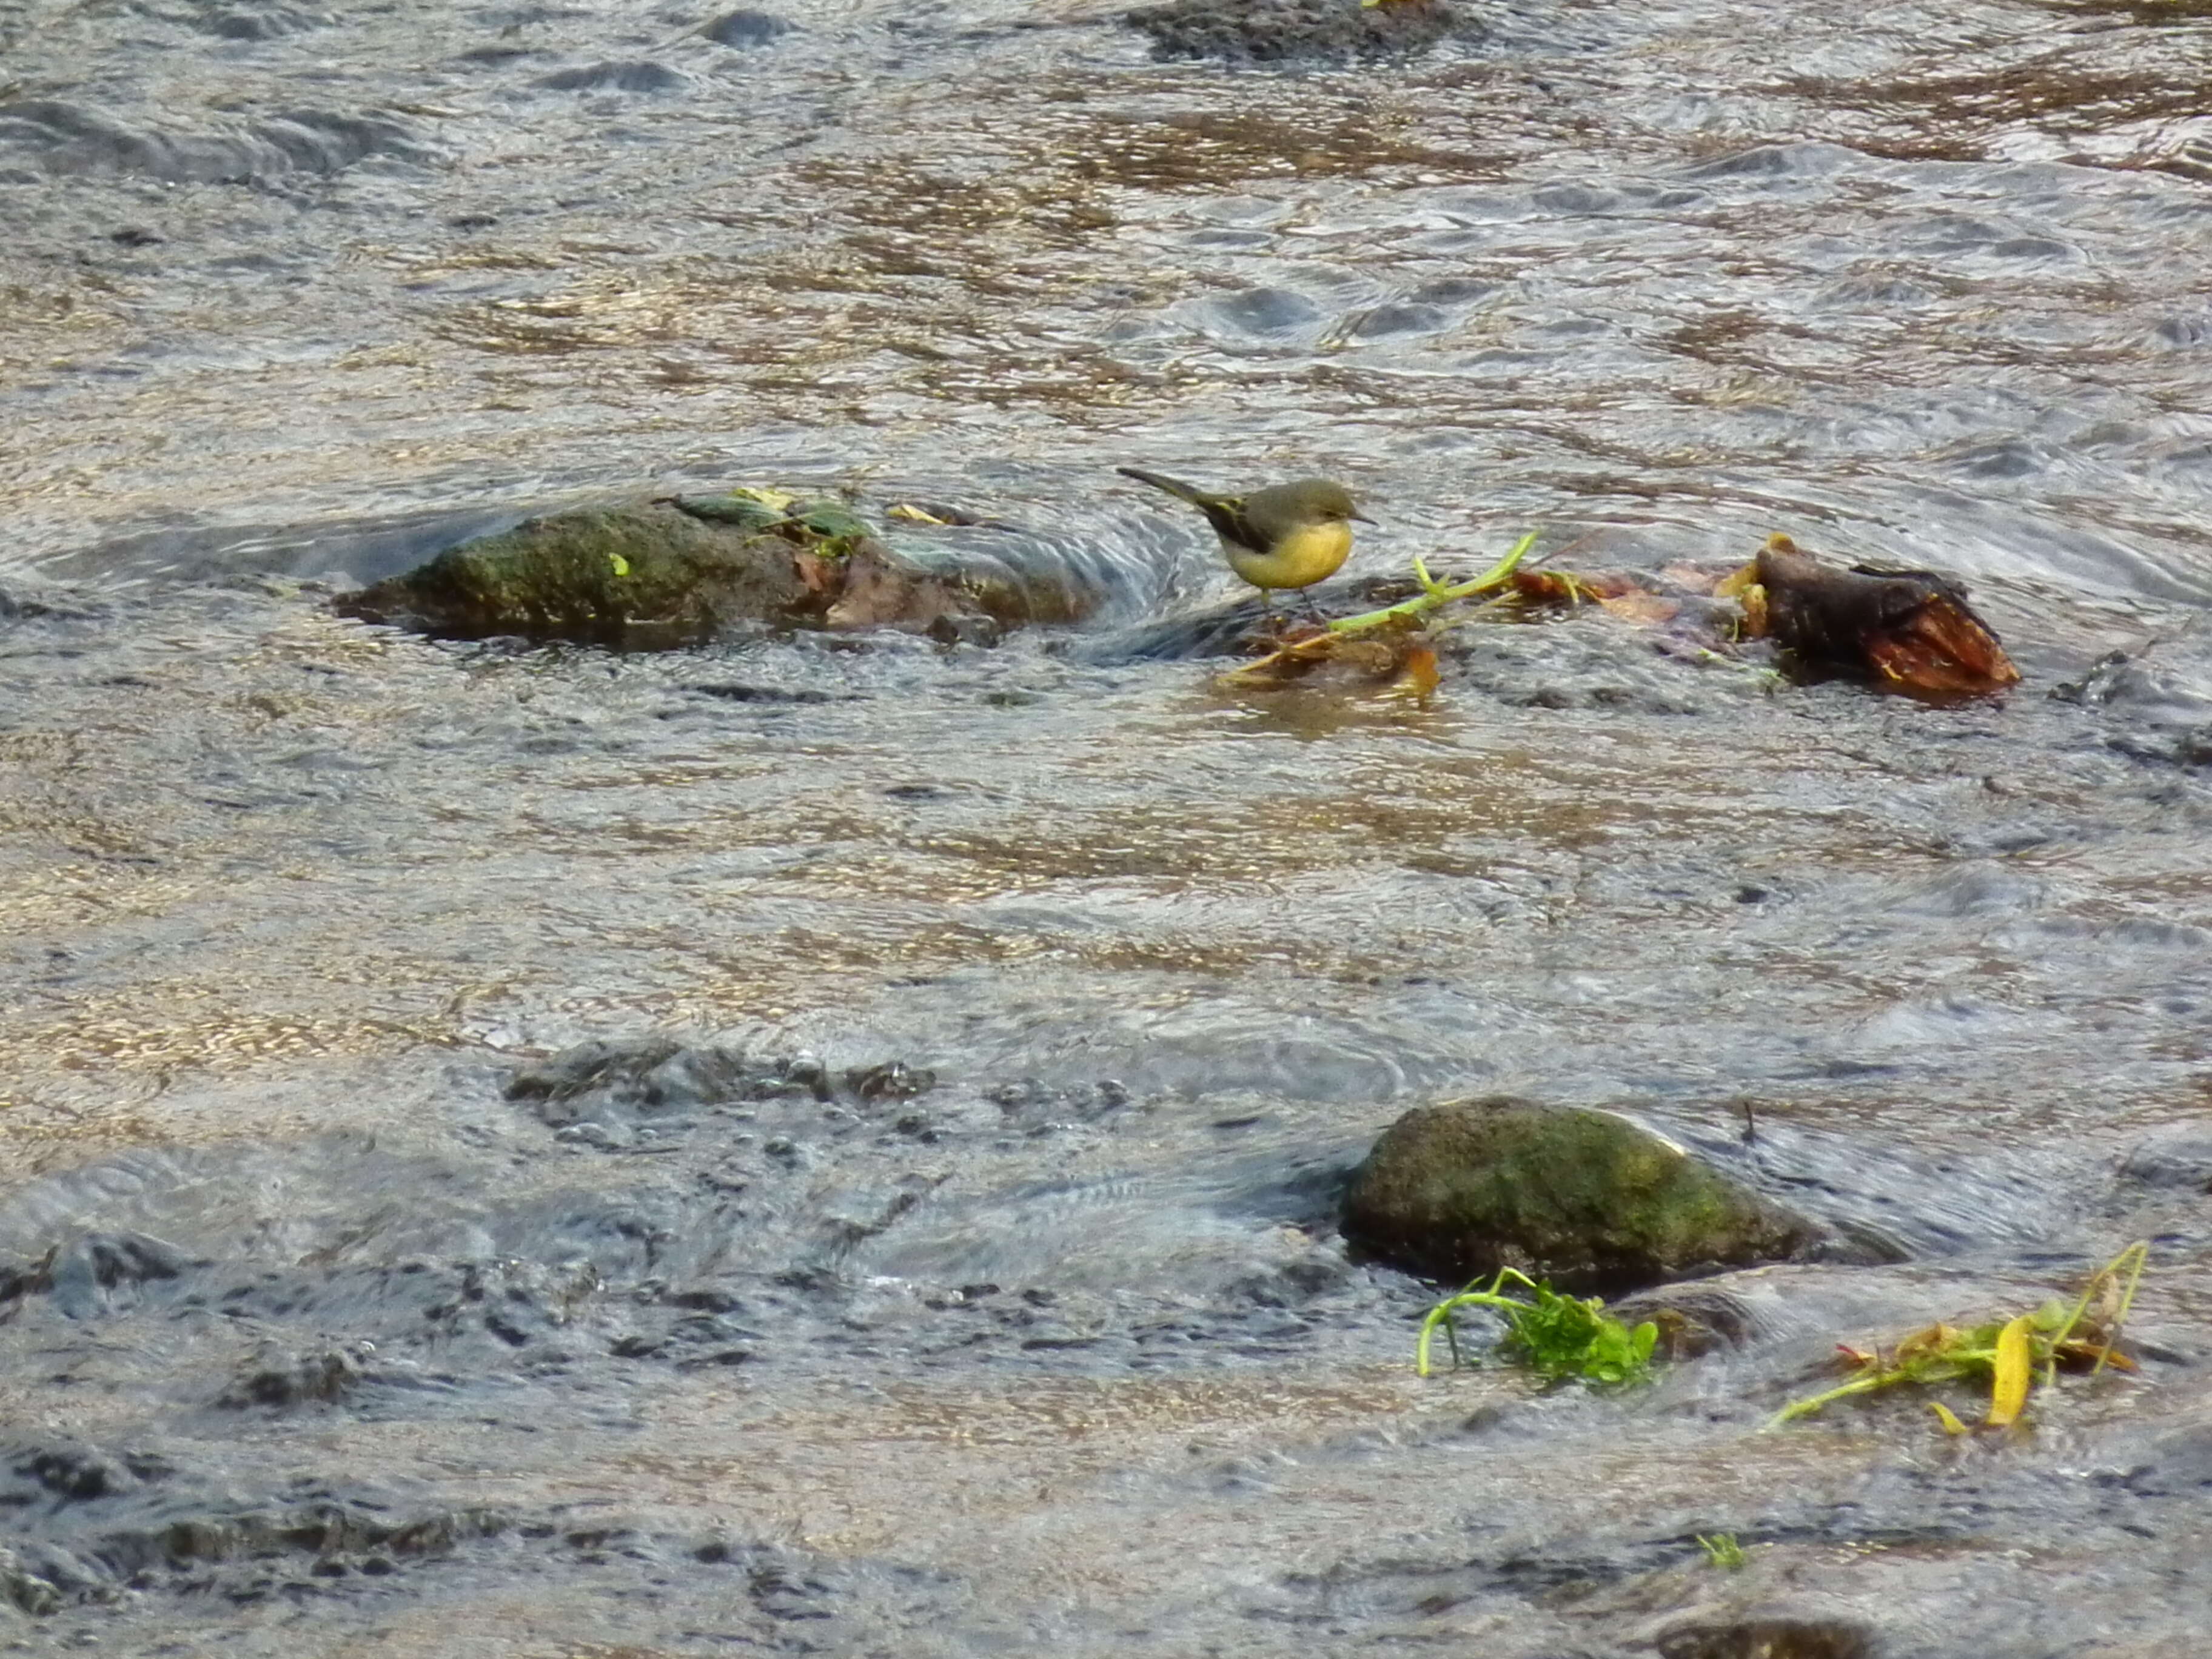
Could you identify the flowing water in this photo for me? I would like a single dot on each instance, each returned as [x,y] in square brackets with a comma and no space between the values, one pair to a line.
[993,1302]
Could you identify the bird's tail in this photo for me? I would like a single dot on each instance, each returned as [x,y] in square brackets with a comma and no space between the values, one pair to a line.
[1180,491]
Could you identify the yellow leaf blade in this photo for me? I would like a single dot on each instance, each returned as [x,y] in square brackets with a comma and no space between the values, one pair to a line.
[1737,582]
[1946,1416]
[2015,1362]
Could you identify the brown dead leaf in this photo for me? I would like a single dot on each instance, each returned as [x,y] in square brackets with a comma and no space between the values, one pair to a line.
[2081,1351]
[1941,647]
[881,590]
[1381,655]
[1689,578]
[1920,1343]
[1570,588]
[817,574]
[1419,677]
[1645,610]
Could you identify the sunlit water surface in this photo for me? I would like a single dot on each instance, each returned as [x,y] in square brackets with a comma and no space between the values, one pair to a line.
[294,297]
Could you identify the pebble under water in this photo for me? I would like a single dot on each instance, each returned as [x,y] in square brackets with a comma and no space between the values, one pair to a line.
[833,1143]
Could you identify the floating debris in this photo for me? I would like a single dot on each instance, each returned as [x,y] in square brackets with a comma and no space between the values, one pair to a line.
[2006,1352]
[1911,629]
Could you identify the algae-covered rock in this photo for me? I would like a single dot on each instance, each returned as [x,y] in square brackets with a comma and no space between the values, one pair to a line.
[654,574]
[1585,1199]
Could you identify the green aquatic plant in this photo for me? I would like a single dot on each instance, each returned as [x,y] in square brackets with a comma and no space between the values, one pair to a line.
[2004,1353]
[1556,1336]
[1435,595]
[1722,1551]
[1396,642]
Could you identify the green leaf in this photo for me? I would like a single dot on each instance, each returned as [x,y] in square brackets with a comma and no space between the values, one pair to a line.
[832,521]
[1557,1337]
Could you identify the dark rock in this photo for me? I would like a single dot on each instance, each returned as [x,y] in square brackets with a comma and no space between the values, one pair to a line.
[1299,31]
[2121,679]
[75,1474]
[24,1590]
[1585,1199]
[640,76]
[745,27]
[69,138]
[1693,1319]
[610,1094]
[2179,1156]
[892,1080]
[2172,1463]
[2164,709]
[739,691]
[251,22]
[100,1272]
[616,1085]
[1770,1639]
[20,1278]
[284,1380]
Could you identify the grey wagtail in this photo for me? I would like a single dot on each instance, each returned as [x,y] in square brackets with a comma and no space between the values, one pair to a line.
[1288,535]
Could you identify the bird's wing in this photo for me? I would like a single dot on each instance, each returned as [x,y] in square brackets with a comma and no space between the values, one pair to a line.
[1233,524]
[1226,514]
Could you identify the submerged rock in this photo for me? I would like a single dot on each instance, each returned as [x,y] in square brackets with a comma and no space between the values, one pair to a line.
[613,1095]
[746,29]
[1299,31]
[655,574]
[1694,1320]
[2160,696]
[281,1379]
[1585,1199]
[1771,1636]
[2179,1156]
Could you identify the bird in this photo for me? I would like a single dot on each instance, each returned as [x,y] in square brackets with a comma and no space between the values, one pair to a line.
[1286,535]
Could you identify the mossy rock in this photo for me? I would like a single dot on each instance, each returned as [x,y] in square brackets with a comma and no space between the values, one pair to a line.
[1584,1198]
[654,575]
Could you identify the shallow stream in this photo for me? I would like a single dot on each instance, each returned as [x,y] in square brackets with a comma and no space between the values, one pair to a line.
[993,1302]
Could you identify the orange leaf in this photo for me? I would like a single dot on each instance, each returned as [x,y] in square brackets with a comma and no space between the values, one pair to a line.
[1419,675]
[1942,648]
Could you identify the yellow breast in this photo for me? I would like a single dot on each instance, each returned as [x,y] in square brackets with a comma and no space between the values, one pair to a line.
[1300,559]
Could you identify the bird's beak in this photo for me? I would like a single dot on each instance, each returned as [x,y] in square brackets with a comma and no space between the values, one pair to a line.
[1363,517]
